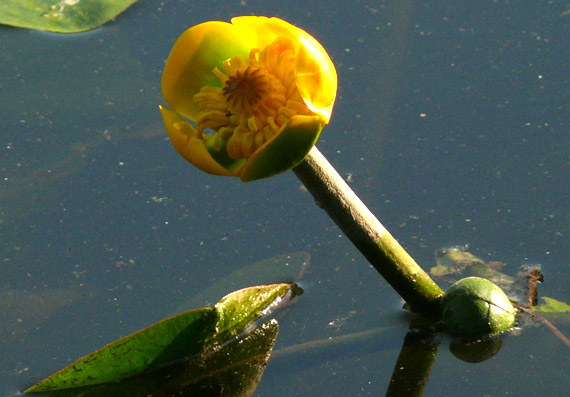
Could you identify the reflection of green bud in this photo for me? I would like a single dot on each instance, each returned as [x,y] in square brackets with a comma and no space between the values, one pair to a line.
[475,306]
[476,352]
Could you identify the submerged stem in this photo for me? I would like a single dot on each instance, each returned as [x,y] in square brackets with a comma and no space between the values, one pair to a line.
[367,233]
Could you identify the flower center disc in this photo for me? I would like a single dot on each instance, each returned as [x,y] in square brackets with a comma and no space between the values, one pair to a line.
[246,89]
[257,98]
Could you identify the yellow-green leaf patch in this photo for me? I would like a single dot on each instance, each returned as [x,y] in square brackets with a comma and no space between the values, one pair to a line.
[61,16]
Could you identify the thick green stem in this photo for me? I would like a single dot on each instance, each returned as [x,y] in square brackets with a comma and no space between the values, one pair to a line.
[368,235]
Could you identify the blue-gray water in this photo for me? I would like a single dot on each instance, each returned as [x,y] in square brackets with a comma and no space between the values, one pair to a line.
[452,123]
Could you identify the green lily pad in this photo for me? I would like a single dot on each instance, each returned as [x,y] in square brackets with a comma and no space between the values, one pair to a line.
[61,16]
[233,319]
[552,306]
[175,338]
[233,370]
[136,353]
[456,263]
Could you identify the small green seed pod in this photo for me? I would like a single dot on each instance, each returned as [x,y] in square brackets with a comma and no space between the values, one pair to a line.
[474,307]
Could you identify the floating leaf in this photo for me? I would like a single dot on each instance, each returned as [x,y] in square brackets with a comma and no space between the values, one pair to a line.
[61,16]
[552,306]
[137,352]
[452,261]
[240,308]
[234,370]
[457,263]
[172,339]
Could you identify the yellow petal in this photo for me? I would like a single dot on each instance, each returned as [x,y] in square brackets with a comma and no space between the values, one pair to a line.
[316,78]
[315,73]
[195,54]
[185,140]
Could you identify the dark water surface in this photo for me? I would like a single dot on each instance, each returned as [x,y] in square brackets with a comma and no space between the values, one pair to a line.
[452,123]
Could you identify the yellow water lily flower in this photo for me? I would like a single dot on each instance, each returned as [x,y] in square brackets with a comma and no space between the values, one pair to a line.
[258,90]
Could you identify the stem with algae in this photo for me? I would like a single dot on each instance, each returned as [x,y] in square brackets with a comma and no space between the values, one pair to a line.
[332,194]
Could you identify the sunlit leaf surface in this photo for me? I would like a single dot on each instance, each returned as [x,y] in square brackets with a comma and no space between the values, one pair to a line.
[62,16]
[240,308]
[185,335]
[137,352]
[234,370]
[553,306]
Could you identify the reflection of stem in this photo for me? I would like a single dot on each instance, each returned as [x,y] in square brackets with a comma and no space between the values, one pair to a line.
[365,231]
[555,331]
[414,363]
[413,367]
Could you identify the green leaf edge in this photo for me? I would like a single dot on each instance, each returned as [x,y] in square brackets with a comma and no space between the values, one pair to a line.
[552,306]
[71,18]
[221,324]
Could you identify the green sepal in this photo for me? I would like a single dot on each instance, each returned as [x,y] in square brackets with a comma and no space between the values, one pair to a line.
[286,150]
